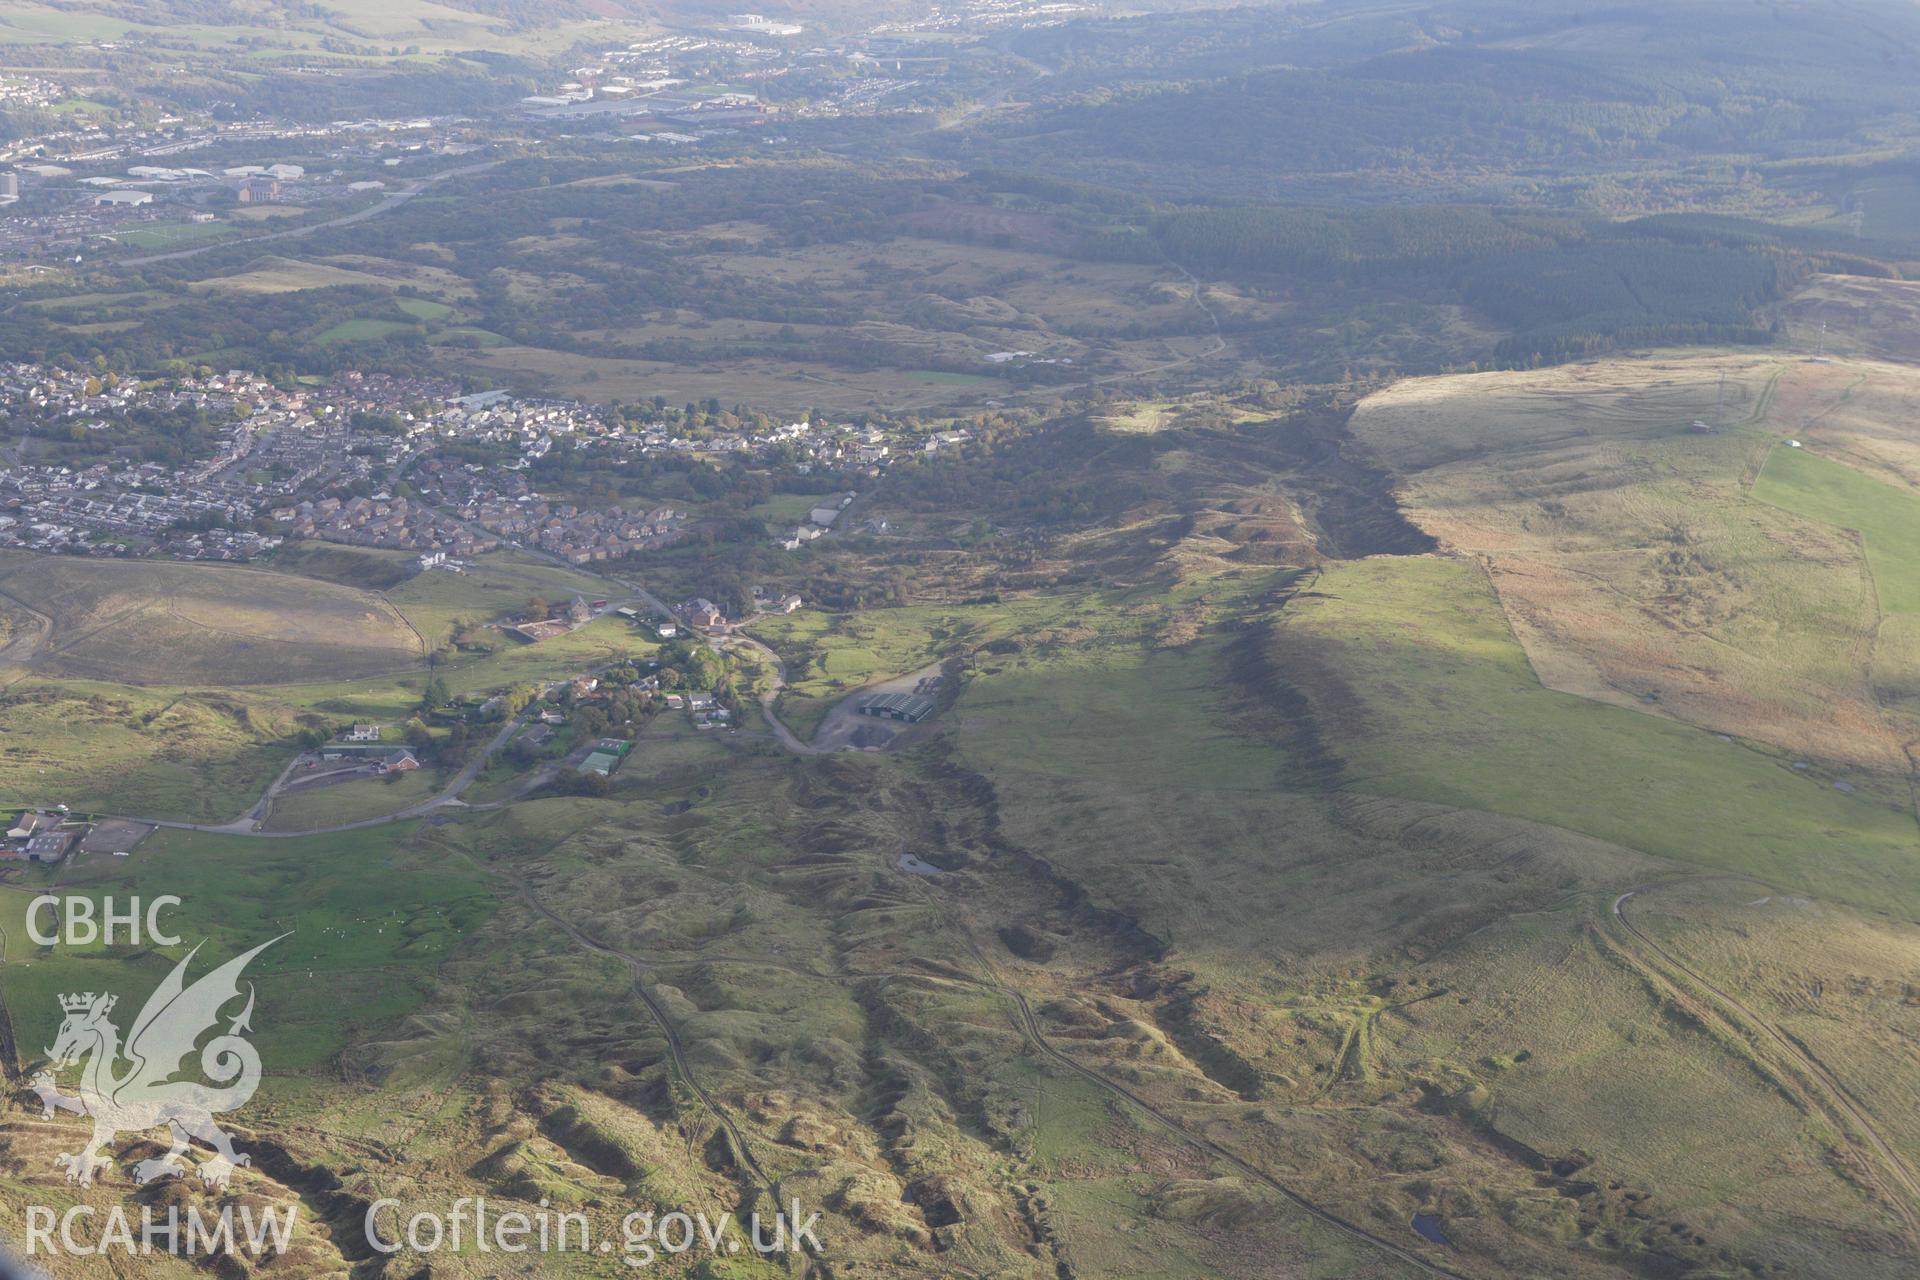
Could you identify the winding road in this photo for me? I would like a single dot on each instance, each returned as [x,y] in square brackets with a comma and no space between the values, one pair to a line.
[776,684]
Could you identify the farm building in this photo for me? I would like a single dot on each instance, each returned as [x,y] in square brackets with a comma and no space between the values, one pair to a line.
[50,846]
[910,707]
[31,824]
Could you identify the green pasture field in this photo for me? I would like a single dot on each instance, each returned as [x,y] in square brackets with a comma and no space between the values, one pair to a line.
[788,508]
[485,337]
[103,326]
[290,275]
[369,920]
[352,801]
[499,583]
[145,752]
[669,741]
[1887,519]
[1437,702]
[45,24]
[600,642]
[173,235]
[940,377]
[178,624]
[363,329]
[1154,718]
[386,699]
[84,301]
[423,308]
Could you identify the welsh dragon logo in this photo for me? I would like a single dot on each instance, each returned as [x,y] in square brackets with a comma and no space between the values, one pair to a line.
[144,1093]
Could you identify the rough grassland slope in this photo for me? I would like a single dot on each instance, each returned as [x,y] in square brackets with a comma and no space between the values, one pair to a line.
[185,624]
[1634,559]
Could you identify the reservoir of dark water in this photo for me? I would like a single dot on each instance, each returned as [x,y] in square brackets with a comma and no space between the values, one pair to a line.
[1428,1227]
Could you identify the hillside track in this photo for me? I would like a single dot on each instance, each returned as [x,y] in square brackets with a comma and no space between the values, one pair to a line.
[1030,1030]
[18,654]
[1897,1181]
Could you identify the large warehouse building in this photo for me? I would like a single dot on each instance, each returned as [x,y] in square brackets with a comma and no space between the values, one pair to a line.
[910,707]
